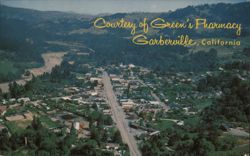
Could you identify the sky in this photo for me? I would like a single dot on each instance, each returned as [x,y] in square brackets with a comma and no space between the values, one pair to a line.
[109,6]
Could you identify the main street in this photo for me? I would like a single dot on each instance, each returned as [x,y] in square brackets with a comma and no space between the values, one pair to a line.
[119,117]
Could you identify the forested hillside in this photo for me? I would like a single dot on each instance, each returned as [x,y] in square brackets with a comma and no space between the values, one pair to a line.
[25,34]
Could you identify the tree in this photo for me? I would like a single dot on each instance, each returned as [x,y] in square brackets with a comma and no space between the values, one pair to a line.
[117,136]
[226,143]
[16,90]
[36,124]
[4,140]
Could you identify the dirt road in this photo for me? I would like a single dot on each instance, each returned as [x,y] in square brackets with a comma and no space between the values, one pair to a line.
[50,60]
[119,117]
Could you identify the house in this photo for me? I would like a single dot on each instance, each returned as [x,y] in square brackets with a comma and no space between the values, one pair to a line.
[116,79]
[84,124]
[71,90]
[113,75]
[94,93]
[112,146]
[14,118]
[154,102]
[66,98]
[154,133]
[3,109]
[166,100]
[28,116]
[76,125]
[127,105]
[186,109]
[106,112]
[131,66]
[180,123]
[84,134]
[96,79]
[23,100]
[12,100]
[2,127]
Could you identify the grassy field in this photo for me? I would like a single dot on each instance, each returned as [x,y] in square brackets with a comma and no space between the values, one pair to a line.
[17,126]
[200,103]
[163,124]
[7,67]
[48,122]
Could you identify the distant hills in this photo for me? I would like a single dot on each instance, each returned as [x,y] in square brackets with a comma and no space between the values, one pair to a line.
[25,34]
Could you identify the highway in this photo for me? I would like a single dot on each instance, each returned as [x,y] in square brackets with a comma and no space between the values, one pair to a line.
[119,116]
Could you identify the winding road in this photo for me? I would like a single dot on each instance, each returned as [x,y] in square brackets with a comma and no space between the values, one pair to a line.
[119,117]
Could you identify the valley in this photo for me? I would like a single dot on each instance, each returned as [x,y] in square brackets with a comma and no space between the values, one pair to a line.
[95,93]
[51,59]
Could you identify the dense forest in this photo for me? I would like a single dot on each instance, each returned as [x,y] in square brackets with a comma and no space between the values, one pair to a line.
[204,137]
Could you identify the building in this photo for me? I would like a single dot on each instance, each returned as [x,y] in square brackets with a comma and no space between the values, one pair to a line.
[66,98]
[96,79]
[14,118]
[154,102]
[76,125]
[23,100]
[127,105]
[131,66]
[106,112]
[3,109]
[28,116]
[84,124]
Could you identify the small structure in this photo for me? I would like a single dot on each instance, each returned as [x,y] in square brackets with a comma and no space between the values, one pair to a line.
[131,66]
[2,127]
[106,112]
[127,105]
[84,124]
[14,118]
[3,110]
[96,79]
[76,126]
[180,123]
[23,100]
[71,90]
[66,98]
[154,102]
[94,93]
[154,133]
[28,116]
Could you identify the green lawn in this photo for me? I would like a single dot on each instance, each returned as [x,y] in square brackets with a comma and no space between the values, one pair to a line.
[13,128]
[7,67]
[163,124]
[192,121]
[48,122]
[202,103]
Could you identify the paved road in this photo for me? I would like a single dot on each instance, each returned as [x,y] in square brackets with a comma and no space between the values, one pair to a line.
[119,117]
